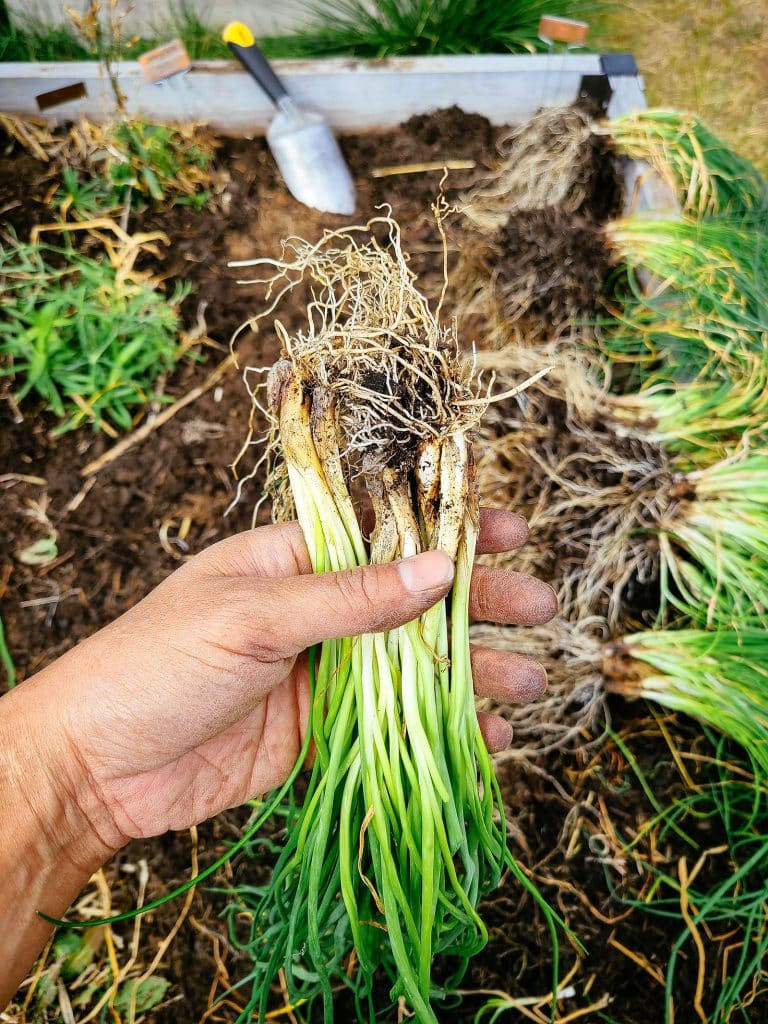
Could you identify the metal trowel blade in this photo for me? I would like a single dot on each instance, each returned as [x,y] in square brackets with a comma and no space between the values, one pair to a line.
[310,161]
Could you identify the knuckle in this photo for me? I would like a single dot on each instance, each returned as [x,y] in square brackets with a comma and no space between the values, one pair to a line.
[254,626]
[348,590]
[357,590]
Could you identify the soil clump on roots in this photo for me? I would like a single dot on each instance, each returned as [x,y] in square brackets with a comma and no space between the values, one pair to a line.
[551,268]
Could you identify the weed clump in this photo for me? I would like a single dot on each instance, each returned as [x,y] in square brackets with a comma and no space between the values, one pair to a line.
[89,337]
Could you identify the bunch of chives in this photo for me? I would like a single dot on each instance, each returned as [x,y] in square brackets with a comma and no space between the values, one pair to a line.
[707,311]
[701,420]
[719,677]
[706,174]
[401,830]
[713,542]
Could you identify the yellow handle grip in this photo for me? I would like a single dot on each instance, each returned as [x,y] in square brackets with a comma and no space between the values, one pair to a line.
[238,33]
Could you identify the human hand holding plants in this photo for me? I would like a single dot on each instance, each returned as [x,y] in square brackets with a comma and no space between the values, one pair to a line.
[197,699]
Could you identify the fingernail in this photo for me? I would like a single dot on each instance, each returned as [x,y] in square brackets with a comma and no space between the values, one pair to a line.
[533,682]
[504,735]
[426,571]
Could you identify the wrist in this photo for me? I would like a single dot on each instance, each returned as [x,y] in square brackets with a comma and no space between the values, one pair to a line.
[46,781]
[50,847]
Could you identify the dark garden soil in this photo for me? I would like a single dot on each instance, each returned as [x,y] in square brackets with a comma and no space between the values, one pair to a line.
[556,257]
[108,534]
[563,259]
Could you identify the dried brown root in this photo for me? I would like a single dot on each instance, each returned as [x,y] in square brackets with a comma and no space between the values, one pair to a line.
[32,133]
[554,159]
[540,278]
[574,702]
[398,376]
[589,495]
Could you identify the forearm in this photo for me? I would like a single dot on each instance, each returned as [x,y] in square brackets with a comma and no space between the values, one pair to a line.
[49,848]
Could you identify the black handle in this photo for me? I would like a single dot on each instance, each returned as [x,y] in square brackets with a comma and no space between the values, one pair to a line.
[254,61]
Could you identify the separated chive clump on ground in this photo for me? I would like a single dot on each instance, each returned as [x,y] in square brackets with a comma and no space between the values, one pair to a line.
[705,313]
[714,542]
[716,676]
[539,262]
[706,174]
[553,159]
[401,831]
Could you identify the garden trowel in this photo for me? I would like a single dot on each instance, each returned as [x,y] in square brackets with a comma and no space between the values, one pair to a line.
[301,141]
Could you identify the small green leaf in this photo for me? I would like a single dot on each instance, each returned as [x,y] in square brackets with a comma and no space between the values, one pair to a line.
[148,993]
[75,956]
[83,996]
[45,992]
[66,944]
[41,552]
[153,185]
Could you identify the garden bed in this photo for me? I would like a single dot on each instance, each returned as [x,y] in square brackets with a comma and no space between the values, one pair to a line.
[121,530]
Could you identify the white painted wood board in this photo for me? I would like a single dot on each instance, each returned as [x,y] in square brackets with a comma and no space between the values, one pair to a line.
[354,95]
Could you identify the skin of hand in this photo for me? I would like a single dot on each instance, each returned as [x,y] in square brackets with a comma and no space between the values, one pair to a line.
[197,699]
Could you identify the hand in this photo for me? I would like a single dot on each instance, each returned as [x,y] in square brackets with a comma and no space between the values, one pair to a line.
[197,698]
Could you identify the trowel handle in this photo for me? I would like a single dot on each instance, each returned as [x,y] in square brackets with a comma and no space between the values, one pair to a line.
[240,40]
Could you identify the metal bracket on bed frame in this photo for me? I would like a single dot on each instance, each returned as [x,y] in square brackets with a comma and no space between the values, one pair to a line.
[614,67]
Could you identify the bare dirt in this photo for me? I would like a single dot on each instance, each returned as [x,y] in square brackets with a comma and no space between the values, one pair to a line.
[564,262]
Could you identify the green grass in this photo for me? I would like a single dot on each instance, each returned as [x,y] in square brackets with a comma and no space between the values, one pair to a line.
[134,163]
[700,422]
[726,896]
[28,39]
[707,58]
[410,27]
[6,659]
[203,41]
[692,340]
[35,41]
[82,337]
[339,27]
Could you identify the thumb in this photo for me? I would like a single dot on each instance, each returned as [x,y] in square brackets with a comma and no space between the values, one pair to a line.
[368,599]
